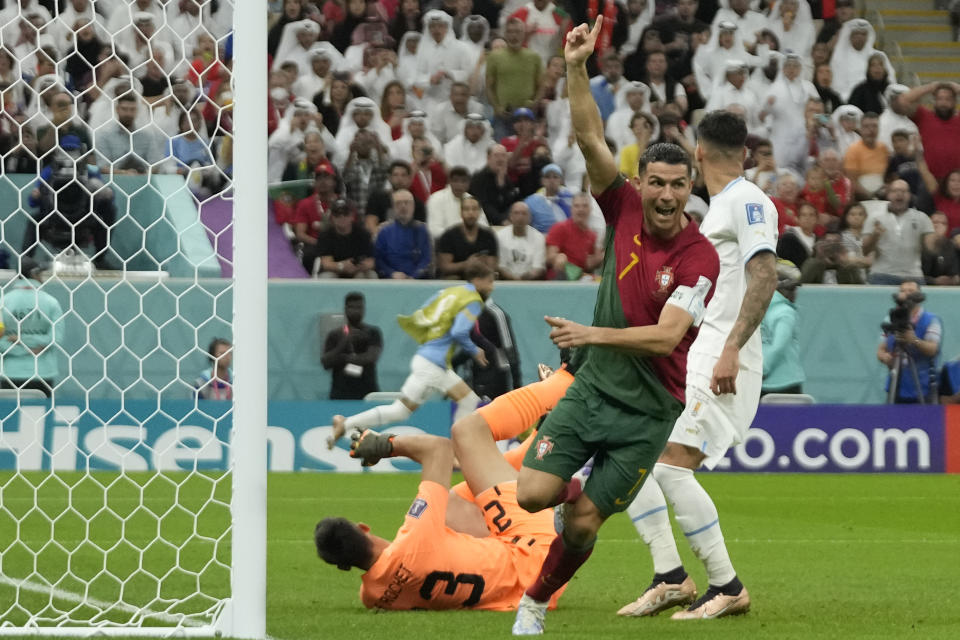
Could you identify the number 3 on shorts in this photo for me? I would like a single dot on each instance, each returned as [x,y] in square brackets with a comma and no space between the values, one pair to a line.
[633,489]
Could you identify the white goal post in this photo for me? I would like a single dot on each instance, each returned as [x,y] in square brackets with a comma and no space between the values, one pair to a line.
[129,506]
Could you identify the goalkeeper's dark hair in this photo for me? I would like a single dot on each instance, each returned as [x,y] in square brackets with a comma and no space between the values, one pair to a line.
[723,131]
[667,153]
[340,542]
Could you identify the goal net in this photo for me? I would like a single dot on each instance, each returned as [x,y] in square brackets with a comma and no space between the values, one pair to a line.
[123,491]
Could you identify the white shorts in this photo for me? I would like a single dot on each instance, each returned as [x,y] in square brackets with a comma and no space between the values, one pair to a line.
[427,378]
[714,423]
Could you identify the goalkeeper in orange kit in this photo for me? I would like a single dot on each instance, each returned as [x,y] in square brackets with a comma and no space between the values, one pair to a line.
[467,547]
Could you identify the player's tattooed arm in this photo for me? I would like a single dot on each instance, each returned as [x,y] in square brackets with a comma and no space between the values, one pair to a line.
[762,282]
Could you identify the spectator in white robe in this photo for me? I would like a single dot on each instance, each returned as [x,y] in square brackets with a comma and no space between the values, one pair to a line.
[295,44]
[852,54]
[469,148]
[792,23]
[709,62]
[441,59]
[734,90]
[361,113]
[890,120]
[286,143]
[744,15]
[784,112]
[632,98]
[416,126]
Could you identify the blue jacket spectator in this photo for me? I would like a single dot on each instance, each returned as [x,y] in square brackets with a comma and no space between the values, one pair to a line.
[403,247]
[552,202]
[604,87]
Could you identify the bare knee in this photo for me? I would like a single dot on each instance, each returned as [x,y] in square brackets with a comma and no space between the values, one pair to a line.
[531,500]
[680,455]
[536,489]
[467,430]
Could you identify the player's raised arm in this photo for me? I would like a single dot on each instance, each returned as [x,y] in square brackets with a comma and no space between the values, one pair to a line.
[584,114]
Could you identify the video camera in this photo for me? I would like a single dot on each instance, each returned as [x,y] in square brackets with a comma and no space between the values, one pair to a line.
[900,313]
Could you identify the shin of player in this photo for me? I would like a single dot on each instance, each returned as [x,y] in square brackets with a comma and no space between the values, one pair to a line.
[658,274]
[724,373]
[439,325]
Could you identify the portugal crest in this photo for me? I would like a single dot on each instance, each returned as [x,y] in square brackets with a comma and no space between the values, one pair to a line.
[544,446]
[664,279]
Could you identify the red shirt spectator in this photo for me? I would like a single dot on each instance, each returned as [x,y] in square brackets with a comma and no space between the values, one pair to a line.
[939,136]
[312,211]
[573,242]
[786,213]
[428,174]
[947,198]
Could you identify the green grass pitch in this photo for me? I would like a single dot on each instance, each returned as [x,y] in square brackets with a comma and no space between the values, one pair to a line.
[824,556]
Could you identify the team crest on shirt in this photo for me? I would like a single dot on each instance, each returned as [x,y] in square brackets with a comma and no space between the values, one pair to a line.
[417,508]
[664,279]
[544,447]
[754,213]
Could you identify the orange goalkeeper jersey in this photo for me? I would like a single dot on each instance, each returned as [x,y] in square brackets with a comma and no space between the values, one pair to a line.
[429,566]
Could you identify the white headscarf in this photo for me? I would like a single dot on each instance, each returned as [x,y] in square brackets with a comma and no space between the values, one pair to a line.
[890,120]
[402,148]
[309,84]
[788,128]
[406,70]
[635,30]
[849,66]
[618,124]
[802,34]
[710,59]
[843,137]
[448,55]
[472,155]
[348,128]
[475,48]
[285,141]
[290,49]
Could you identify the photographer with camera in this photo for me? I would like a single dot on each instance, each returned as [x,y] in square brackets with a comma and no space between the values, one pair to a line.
[911,348]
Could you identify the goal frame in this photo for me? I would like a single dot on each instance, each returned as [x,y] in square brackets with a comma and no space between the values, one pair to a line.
[243,613]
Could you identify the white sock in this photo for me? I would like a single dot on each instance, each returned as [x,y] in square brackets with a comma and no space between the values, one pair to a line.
[648,511]
[466,405]
[379,416]
[697,516]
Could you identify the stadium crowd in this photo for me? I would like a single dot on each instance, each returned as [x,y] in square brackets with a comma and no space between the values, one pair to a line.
[407,137]
[97,89]
[461,107]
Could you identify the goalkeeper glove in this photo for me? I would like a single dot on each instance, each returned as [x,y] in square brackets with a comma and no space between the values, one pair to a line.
[370,447]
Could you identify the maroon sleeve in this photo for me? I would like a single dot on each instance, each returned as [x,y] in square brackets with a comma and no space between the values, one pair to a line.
[699,259]
[615,198]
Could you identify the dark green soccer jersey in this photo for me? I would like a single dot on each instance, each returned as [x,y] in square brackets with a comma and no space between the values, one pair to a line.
[640,272]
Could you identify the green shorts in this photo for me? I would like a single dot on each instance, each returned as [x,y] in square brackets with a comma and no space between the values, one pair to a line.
[625,445]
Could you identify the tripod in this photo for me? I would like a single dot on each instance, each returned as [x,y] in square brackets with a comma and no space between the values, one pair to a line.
[899,355]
